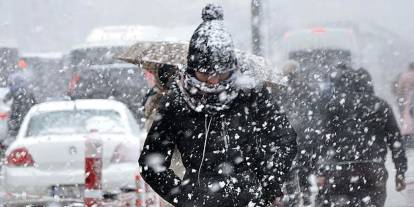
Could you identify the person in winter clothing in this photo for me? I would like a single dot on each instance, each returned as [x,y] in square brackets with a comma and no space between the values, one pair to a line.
[359,129]
[405,92]
[296,99]
[23,99]
[235,144]
[160,83]
[406,83]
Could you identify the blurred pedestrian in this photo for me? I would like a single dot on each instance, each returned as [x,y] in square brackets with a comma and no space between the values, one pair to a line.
[235,144]
[298,102]
[405,92]
[160,82]
[352,152]
[23,98]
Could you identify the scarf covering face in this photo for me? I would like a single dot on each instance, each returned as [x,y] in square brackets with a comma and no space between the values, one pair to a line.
[202,97]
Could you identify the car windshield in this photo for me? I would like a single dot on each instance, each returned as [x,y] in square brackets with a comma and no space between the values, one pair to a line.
[75,122]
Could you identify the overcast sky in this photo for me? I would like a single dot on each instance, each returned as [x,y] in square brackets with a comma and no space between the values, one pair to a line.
[45,25]
[57,24]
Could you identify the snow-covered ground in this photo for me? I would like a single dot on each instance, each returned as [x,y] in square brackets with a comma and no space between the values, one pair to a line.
[394,199]
[1,188]
[406,197]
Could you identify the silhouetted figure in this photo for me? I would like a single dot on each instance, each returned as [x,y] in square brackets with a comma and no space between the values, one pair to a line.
[23,99]
[360,127]
[405,91]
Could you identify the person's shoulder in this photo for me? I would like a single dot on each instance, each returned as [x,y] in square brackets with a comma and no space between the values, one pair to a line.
[384,103]
[260,92]
[260,98]
[274,88]
[379,105]
[172,101]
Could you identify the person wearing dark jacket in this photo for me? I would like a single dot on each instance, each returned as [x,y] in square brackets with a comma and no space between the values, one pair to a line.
[360,128]
[23,99]
[297,99]
[235,145]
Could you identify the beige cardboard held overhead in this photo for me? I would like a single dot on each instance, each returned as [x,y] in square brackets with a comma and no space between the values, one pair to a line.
[175,54]
[151,55]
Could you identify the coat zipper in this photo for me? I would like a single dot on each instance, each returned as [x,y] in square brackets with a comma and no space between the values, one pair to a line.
[207,131]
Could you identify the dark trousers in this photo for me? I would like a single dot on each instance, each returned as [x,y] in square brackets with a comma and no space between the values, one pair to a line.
[297,187]
[354,185]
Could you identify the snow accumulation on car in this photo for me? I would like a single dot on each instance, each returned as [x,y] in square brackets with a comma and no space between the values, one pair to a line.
[130,34]
[48,157]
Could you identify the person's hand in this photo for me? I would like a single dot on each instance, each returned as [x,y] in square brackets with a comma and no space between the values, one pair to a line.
[400,183]
[277,202]
[306,197]
[321,181]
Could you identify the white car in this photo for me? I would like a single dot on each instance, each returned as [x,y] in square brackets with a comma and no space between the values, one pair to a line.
[47,160]
[4,113]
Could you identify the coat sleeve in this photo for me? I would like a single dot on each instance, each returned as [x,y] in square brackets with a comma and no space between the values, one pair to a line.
[8,97]
[395,142]
[277,145]
[155,158]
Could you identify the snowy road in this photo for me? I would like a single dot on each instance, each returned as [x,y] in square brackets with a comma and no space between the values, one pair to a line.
[1,188]
[406,197]
[394,199]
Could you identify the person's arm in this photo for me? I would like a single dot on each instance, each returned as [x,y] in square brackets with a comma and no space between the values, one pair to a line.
[155,159]
[399,85]
[8,97]
[396,144]
[278,149]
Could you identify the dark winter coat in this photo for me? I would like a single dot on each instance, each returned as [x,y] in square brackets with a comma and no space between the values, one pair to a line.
[303,108]
[23,100]
[360,128]
[238,156]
